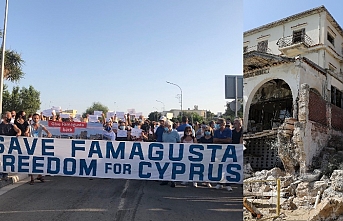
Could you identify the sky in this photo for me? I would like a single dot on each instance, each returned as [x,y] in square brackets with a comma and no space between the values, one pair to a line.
[261,12]
[121,53]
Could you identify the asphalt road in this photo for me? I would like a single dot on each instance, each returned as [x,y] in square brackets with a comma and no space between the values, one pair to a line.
[72,198]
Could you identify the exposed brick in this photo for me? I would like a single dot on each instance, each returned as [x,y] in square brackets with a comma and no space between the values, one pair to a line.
[317,109]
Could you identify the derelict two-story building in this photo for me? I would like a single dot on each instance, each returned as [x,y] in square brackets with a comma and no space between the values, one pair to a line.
[293,84]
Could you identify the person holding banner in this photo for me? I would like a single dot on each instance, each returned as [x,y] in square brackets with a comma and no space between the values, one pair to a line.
[188,138]
[208,135]
[222,135]
[122,133]
[8,129]
[237,132]
[169,136]
[207,138]
[108,133]
[36,130]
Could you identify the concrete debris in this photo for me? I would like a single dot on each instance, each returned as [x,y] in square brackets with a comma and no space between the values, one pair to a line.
[337,180]
[299,192]
[330,209]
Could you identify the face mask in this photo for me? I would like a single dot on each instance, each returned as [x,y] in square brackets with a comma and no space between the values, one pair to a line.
[108,129]
[207,133]
[217,126]
[166,129]
[122,127]
[136,127]
[30,119]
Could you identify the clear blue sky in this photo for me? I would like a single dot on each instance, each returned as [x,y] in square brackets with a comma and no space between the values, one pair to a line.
[261,12]
[82,51]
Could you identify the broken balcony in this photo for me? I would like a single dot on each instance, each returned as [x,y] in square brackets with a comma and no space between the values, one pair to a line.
[260,48]
[294,45]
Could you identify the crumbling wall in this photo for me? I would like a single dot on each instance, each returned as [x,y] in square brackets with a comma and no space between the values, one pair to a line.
[318,121]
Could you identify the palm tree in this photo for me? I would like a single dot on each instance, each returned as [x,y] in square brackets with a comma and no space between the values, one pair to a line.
[13,66]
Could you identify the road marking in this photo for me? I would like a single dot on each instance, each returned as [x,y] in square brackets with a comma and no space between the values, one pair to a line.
[7,188]
[123,193]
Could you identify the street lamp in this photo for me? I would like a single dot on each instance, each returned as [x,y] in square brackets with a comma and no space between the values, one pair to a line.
[163,105]
[180,90]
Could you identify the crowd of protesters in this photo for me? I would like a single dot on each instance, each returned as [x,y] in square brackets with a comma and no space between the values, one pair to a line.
[17,124]
[220,131]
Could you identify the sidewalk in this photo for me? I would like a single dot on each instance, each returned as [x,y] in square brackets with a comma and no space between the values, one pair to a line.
[13,178]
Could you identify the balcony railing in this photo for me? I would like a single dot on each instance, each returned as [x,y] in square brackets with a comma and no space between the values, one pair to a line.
[256,48]
[295,39]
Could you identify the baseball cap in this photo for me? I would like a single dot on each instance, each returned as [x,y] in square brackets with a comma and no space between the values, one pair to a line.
[163,118]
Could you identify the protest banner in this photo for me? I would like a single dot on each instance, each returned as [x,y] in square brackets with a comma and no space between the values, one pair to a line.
[64,115]
[136,132]
[97,113]
[93,118]
[115,126]
[110,114]
[122,133]
[67,129]
[47,113]
[131,111]
[122,160]
[120,115]
[67,124]
[56,109]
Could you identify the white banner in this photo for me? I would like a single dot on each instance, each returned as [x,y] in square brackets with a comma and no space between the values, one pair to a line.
[122,160]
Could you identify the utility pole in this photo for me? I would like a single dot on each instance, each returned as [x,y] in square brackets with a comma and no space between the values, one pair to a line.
[3,56]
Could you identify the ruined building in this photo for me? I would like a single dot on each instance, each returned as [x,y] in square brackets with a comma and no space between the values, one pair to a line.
[293,84]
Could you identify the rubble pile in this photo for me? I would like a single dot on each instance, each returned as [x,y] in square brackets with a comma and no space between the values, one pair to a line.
[299,191]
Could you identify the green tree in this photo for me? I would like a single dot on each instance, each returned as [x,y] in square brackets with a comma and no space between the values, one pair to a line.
[231,114]
[154,116]
[26,99]
[96,106]
[13,66]
[192,117]
[209,116]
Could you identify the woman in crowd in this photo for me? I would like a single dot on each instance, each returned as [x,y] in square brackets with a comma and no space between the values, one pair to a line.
[208,135]
[21,122]
[188,138]
[122,133]
[207,138]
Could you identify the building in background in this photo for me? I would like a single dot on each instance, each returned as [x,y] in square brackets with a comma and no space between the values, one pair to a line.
[72,113]
[293,83]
